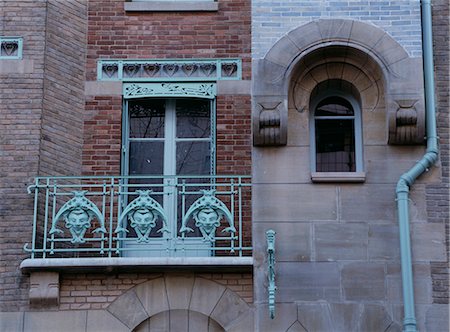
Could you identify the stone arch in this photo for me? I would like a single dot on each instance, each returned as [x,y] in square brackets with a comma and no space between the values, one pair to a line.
[183,293]
[354,43]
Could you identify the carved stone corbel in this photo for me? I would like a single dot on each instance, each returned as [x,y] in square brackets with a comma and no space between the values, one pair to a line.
[44,288]
[269,122]
[406,123]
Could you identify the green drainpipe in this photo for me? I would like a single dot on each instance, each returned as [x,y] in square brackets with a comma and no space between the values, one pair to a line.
[407,179]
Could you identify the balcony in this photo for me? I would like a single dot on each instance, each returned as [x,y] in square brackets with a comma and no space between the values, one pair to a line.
[133,223]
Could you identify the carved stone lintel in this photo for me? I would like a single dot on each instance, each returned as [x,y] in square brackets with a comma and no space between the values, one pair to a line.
[406,123]
[44,288]
[269,124]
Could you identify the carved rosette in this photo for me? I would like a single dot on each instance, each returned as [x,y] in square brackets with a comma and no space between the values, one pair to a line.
[142,213]
[78,214]
[207,212]
[406,126]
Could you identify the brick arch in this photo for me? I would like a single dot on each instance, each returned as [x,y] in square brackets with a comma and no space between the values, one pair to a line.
[273,74]
[182,293]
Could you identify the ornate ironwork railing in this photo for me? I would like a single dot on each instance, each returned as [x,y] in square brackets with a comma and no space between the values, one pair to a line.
[152,216]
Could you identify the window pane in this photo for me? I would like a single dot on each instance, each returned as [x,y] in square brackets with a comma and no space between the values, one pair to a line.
[193,118]
[334,106]
[193,158]
[146,158]
[335,146]
[147,118]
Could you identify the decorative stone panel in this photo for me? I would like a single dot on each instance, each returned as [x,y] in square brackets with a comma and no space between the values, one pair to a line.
[44,288]
[384,62]
[406,122]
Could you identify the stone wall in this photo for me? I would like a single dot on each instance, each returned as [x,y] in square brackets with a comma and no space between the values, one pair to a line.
[399,18]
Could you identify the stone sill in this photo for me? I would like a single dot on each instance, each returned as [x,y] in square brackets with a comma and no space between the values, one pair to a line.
[357,177]
[154,264]
[169,6]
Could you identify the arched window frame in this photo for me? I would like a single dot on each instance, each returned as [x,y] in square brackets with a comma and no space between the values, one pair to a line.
[358,175]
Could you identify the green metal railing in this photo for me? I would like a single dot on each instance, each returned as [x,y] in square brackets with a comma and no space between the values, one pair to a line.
[144,216]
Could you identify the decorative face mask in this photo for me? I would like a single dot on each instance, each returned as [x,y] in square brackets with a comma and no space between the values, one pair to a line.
[207,220]
[143,221]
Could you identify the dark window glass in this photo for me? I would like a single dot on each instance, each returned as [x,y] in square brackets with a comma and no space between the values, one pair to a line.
[146,158]
[193,158]
[334,106]
[335,138]
[193,118]
[147,118]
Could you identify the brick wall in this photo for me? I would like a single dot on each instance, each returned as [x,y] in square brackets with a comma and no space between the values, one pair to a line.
[40,124]
[438,195]
[113,33]
[20,123]
[399,18]
[65,57]
[97,291]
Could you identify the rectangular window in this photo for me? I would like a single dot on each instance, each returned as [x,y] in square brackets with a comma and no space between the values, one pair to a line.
[163,138]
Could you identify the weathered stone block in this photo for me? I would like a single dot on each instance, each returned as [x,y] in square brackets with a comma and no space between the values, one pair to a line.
[44,288]
[292,241]
[53,321]
[315,316]
[103,321]
[291,202]
[179,290]
[384,242]
[205,296]
[363,281]
[345,316]
[285,316]
[341,241]
[374,318]
[128,309]
[428,242]
[307,281]
[153,296]
[229,309]
[11,321]
[281,165]
[437,318]
[357,202]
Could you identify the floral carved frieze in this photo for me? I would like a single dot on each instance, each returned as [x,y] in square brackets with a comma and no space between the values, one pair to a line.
[169,70]
[202,90]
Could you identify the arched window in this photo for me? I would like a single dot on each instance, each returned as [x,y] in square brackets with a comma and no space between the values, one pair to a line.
[336,139]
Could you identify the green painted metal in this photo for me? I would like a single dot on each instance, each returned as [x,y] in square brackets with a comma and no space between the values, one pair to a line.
[271,288]
[169,70]
[407,179]
[207,212]
[11,47]
[143,213]
[78,214]
[96,212]
[196,90]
